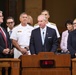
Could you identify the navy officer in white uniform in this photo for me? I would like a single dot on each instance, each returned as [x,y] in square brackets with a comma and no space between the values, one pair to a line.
[21,37]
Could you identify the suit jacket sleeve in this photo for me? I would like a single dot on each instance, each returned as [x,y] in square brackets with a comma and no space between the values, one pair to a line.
[55,42]
[2,43]
[32,47]
[70,48]
[1,49]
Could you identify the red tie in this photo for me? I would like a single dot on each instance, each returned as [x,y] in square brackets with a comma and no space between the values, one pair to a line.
[4,37]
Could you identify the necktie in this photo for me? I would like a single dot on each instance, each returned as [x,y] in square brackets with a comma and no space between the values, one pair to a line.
[4,37]
[10,32]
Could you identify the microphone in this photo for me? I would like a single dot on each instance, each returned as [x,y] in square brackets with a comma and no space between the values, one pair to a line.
[43,33]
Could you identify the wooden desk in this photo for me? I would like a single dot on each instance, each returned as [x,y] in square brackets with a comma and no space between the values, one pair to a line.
[31,64]
[74,66]
[10,62]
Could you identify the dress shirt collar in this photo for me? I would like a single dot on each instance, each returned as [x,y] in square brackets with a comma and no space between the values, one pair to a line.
[44,29]
[24,26]
[8,29]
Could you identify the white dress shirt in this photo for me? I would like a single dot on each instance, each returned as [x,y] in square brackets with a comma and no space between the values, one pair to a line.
[43,34]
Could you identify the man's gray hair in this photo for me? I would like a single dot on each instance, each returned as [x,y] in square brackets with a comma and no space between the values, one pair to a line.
[44,18]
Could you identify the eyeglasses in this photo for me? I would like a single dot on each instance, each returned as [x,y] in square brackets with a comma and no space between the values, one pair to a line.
[45,14]
[74,23]
[10,22]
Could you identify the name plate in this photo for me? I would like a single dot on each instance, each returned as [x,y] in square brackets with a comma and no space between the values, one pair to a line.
[47,63]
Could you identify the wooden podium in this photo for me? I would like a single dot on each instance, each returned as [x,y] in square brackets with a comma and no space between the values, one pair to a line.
[31,64]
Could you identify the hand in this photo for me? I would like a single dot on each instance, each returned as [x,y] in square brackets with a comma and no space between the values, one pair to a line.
[6,51]
[23,51]
[11,51]
[75,54]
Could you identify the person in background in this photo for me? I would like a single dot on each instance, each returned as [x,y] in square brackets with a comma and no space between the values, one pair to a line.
[5,45]
[72,41]
[10,25]
[49,24]
[21,36]
[30,20]
[43,38]
[64,38]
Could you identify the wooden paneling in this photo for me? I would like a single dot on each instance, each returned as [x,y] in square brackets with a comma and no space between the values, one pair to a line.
[33,8]
[12,8]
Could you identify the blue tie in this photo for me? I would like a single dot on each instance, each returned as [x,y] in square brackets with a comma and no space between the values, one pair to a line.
[10,32]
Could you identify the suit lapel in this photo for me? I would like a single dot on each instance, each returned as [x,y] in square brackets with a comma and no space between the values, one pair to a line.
[39,36]
[46,36]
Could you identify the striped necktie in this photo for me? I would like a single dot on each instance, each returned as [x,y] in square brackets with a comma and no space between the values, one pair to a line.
[4,37]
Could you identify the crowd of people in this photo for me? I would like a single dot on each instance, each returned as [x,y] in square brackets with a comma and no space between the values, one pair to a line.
[28,39]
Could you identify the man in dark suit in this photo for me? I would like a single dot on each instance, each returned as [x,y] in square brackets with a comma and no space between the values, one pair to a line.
[43,39]
[4,41]
[72,41]
[10,22]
